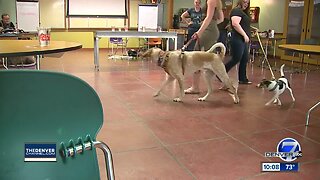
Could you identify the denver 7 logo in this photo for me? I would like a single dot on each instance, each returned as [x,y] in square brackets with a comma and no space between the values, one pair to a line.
[289,149]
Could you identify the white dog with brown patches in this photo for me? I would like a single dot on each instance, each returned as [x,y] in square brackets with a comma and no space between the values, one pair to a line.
[178,64]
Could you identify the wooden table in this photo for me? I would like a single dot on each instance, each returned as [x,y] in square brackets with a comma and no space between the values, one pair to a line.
[12,48]
[267,40]
[301,48]
[304,49]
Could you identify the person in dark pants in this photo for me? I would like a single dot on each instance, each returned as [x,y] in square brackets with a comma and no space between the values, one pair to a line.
[240,22]
[196,15]
[223,28]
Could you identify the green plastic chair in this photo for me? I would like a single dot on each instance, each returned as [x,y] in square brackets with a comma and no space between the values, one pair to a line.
[49,107]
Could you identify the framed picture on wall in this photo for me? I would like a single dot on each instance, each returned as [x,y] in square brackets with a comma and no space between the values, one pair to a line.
[254,14]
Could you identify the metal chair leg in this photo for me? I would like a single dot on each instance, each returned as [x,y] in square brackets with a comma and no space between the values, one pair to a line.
[308,113]
[5,63]
[108,158]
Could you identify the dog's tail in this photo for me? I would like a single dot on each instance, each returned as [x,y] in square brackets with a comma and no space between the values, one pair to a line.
[281,71]
[221,46]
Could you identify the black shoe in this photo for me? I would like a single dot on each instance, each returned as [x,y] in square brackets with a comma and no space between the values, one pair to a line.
[245,82]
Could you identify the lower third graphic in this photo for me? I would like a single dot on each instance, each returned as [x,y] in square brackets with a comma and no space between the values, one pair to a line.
[40,152]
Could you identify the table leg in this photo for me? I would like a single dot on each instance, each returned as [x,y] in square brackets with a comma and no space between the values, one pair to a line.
[267,42]
[175,43]
[168,44]
[38,61]
[274,48]
[302,62]
[274,52]
[96,53]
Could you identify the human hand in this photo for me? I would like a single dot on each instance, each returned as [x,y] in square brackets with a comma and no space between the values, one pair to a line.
[195,36]
[246,39]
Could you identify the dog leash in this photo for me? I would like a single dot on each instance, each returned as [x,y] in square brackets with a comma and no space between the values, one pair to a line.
[162,61]
[265,55]
[189,42]
[184,48]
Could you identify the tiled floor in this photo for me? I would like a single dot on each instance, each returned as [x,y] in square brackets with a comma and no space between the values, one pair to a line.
[155,138]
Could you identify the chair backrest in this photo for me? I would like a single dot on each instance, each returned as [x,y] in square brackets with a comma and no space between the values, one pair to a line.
[47,107]
[116,40]
[154,41]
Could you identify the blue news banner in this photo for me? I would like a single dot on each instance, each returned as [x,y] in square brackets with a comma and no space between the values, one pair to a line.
[279,167]
[35,152]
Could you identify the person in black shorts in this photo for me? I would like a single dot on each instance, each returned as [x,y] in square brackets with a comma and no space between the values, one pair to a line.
[196,15]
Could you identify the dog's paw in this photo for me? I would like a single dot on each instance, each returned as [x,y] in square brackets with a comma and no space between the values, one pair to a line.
[235,98]
[267,104]
[294,100]
[202,99]
[177,100]
[156,94]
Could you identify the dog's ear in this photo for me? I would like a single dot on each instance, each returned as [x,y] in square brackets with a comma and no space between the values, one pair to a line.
[267,82]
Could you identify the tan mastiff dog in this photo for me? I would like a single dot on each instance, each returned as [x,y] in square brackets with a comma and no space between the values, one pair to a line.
[179,64]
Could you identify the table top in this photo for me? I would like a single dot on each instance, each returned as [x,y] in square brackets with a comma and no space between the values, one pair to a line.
[267,38]
[310,49]
[10,48]
[136,34]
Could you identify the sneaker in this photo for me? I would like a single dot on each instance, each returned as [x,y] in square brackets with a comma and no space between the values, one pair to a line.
[191,91]
[245,82]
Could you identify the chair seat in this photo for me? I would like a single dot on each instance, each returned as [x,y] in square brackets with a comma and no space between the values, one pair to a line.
[153,42]
[118,42]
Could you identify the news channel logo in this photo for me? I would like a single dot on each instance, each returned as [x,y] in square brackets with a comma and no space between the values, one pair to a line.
[40,152]
[288,150]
